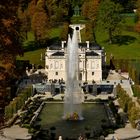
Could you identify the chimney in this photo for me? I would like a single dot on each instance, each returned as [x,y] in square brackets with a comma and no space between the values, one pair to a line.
[87,45]
[63,44]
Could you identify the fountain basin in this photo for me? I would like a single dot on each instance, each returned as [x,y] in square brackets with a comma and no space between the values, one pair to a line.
[51,116]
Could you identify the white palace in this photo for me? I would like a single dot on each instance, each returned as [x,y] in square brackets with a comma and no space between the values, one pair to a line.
[91,59]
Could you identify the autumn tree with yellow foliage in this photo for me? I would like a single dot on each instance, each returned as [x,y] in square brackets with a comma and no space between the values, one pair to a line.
[40,22]
[9,47]
[90,11]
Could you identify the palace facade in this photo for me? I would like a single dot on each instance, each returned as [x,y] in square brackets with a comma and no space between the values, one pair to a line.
[91,60]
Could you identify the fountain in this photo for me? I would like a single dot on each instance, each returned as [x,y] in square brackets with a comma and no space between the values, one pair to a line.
[73,96]
[73,108]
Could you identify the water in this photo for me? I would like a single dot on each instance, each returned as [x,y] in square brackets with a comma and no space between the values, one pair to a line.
[51,114]
[73,96]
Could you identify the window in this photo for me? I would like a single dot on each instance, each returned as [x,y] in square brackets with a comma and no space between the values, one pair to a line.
[92,73]
[92,65]
[80,65]
[51,66]
[61,66]
[97,66]
[87,65]
[56,64]
[56,73]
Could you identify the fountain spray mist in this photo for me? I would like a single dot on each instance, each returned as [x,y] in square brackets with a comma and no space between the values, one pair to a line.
[73,96]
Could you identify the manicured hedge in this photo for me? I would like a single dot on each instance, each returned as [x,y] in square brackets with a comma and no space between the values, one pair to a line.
[136,90]
[17,103]
[128,105]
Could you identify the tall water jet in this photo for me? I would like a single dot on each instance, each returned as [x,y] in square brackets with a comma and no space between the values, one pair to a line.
[73,96]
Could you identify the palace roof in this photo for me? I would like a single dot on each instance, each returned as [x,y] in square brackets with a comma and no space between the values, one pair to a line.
[92,46]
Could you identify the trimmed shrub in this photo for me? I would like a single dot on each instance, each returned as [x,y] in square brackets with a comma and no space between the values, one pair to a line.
[136,90]
[128,106]
[17,103]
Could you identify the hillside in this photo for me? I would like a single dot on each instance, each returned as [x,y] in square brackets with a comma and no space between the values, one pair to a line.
[126,44]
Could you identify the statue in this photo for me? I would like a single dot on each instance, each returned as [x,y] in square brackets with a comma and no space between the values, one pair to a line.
[76,11]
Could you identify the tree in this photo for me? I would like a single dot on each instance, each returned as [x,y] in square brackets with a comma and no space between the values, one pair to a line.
[90,10]
[24,4]
[65,30]
[138,9]
[128,5]
[9,46]
[40,22]
[109,17]
[89,32]
[77,2]
[93,9]
[85,8]
[24,22]
[32,8]
[58,11]
[134,115]
[137,27]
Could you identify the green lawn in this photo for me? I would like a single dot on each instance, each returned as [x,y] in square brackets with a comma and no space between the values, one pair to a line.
[127,46]
[129,19]
[55,32]
[34,56]
[78,19]
[30,38]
